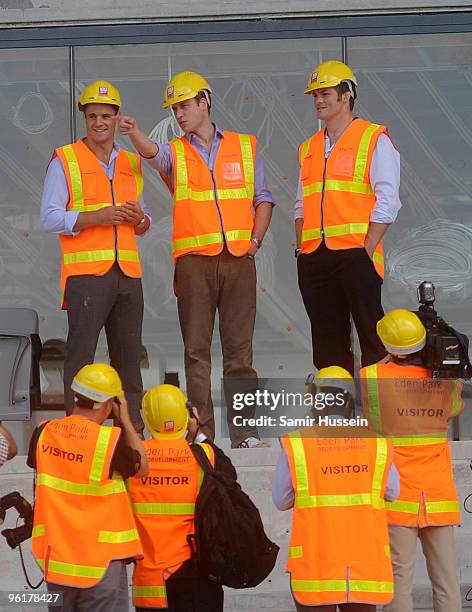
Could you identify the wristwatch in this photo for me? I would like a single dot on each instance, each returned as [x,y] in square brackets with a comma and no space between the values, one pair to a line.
[257,242]
[297,251]
[142,222]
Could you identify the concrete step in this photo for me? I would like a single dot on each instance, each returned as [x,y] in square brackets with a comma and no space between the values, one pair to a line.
[255,470]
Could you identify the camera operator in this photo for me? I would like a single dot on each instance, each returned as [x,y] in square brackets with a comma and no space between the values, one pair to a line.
[402,400]
[8,447]
[84,530]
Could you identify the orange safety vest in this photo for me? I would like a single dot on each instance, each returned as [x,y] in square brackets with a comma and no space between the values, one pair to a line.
[213,208]
[403,402]
[164,508]
[337,195]
[95,249]
[82,517]
[339,545]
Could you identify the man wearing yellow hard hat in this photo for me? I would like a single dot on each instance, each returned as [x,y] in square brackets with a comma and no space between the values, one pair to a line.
[164,508]
[92,199]
[84,530]
[403,402]
[347,198]
[222,209]
[336,479]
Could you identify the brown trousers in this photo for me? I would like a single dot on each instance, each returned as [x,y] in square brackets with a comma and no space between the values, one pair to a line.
[206,284]
[438,548]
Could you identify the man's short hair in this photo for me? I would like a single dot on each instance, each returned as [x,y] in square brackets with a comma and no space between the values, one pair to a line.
[204,95]
[83,402]
[345,87]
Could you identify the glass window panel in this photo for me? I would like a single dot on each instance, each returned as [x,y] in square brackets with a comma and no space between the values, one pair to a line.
[258,88]
[420,87]
[34,116]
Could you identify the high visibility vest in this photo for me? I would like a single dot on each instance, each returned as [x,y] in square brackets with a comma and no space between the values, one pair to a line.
[339,546]
[82,517]
[95,249]
[164,508]
[213,208]
[404,403]
[337,195]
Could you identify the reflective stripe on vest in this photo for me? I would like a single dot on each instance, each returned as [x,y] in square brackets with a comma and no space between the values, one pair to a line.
[338,199]
[304,500]
[317,578]
[77,198]
[431,507]
[118,537]
[164,526]
[66,486]
[60,508]
[149,591]
[70,569]
[103,255]
[359,167]
[361,586]
[171,508]
[421,458]
[373,398]
[94,249]
[183,191]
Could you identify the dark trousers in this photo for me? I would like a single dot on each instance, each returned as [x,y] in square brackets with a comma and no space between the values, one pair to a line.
[206,284]
[336,284]
[116,302]
[189,592]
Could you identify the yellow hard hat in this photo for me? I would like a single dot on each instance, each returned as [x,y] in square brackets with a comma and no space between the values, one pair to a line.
[184,86]
[334,376]
[98,382]
[100,92]
[402,332]
[165,412]
[329,74]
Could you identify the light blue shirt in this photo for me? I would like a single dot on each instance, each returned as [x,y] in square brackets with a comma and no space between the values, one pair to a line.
[164,163]
[54,215]
[283,493]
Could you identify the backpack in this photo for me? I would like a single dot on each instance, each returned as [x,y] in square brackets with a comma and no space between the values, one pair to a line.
[230,545]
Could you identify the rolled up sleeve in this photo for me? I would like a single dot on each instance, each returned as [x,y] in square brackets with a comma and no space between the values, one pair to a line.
[385,181]
[54,215]
[262,192]
[283,494]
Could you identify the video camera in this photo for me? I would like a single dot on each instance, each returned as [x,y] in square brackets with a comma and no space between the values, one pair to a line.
[19,534]
[446,352]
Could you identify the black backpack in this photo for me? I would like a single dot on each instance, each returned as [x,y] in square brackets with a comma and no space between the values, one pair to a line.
[230,544]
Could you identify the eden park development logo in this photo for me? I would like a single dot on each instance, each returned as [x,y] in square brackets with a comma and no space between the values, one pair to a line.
[169,425]
[103,91]
[314,77]
[170,92]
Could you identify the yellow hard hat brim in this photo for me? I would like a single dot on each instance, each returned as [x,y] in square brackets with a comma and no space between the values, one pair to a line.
[315,86]
[334,83]
[188,96]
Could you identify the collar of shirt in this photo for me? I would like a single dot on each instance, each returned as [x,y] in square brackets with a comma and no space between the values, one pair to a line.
[113,156]
[193,138]
[208,156]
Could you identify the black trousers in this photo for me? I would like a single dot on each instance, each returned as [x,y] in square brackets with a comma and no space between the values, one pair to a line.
[189,592]
[116,302]
[336,284]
